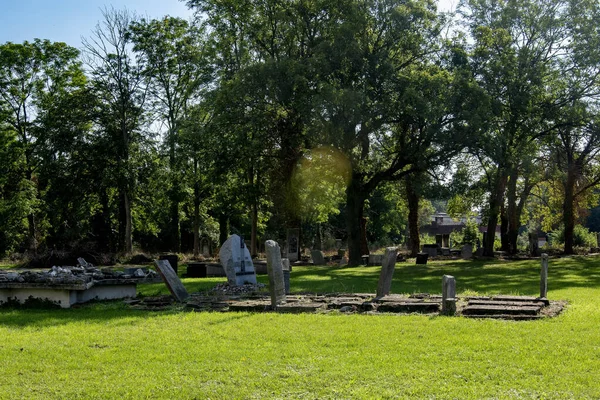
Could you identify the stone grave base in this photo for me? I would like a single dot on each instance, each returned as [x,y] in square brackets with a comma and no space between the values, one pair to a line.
[65,296]
[245,300]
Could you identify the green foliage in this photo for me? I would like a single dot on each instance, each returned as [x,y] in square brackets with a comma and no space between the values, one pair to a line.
[469,234]
[582,237]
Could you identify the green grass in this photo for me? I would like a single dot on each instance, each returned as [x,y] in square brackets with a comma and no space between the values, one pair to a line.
[107,351]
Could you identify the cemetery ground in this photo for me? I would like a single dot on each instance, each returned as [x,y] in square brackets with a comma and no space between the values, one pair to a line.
[109,350]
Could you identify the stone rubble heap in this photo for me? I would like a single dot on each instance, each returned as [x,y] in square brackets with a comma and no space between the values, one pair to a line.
[74,275]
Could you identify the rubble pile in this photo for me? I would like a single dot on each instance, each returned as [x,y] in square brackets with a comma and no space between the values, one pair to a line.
[76,275]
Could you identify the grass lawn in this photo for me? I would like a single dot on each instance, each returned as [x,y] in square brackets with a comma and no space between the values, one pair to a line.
[107,351]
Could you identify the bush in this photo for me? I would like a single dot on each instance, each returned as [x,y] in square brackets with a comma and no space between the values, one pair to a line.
[467,235]
[582,237]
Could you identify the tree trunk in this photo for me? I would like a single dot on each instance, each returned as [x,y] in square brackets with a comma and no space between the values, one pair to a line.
[504,229]
[253,239]
[223,228]
[413,218]
[513,217]
[355,202]
[568,210]
[128,225]
[196,220]
[496,200]
[125,223]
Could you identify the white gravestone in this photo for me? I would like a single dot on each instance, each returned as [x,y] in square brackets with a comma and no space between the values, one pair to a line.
[237,262]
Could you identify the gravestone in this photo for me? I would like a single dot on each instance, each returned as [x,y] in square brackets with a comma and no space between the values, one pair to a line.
[387,271]
[285,264]
[237,262]
[422,258]
[534,245]
[205,246]
[375,259]
[448,295]
[466,253]
[544,277]
[317,256]
[275,271]
[431,249]
[293,244]
[171,280]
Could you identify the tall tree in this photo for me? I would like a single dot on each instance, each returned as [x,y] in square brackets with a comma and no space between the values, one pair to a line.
[32,76]
[120,86]
[518,54]
[171,53]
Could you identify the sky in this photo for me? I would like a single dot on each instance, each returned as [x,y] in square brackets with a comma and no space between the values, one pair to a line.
[68,20]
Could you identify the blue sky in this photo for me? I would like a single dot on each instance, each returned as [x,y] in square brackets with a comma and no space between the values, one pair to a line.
[68,20]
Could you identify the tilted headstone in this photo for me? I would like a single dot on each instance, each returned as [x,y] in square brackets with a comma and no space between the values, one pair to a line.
[275,271]
[448,295]
[544,277]
[171,280]
[237,262]
[318,257]
[466,252]
[387,271]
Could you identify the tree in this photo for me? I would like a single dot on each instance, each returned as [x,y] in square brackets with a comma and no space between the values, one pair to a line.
[171,55]
[119,84]
[517,57]
[33,75]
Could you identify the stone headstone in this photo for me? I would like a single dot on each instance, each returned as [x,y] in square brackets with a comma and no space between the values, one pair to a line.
[448,295]
[466,253]
[275,271]
[534,245]
[422,258]
[544,277]
[293,244]
[375,259]
[343,261]
[285,264]
[171,280]
[431,249]
[387,271]
[237,262]
[317,256]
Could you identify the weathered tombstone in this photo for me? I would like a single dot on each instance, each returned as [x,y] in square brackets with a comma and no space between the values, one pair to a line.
[293,244]
[534,245]
[343,261]
[448,295]
[317,256]
[275,271]
[285,264]
[387,271]
[544,277]
[375,259]
[237,262]
[431,249]
[171,280]
[205,246]
[466,252]
[196,270]
[422,258]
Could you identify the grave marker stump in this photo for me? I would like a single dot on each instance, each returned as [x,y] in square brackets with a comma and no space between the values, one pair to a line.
[448,295]
[275,271]
[387,271]
[544,277]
